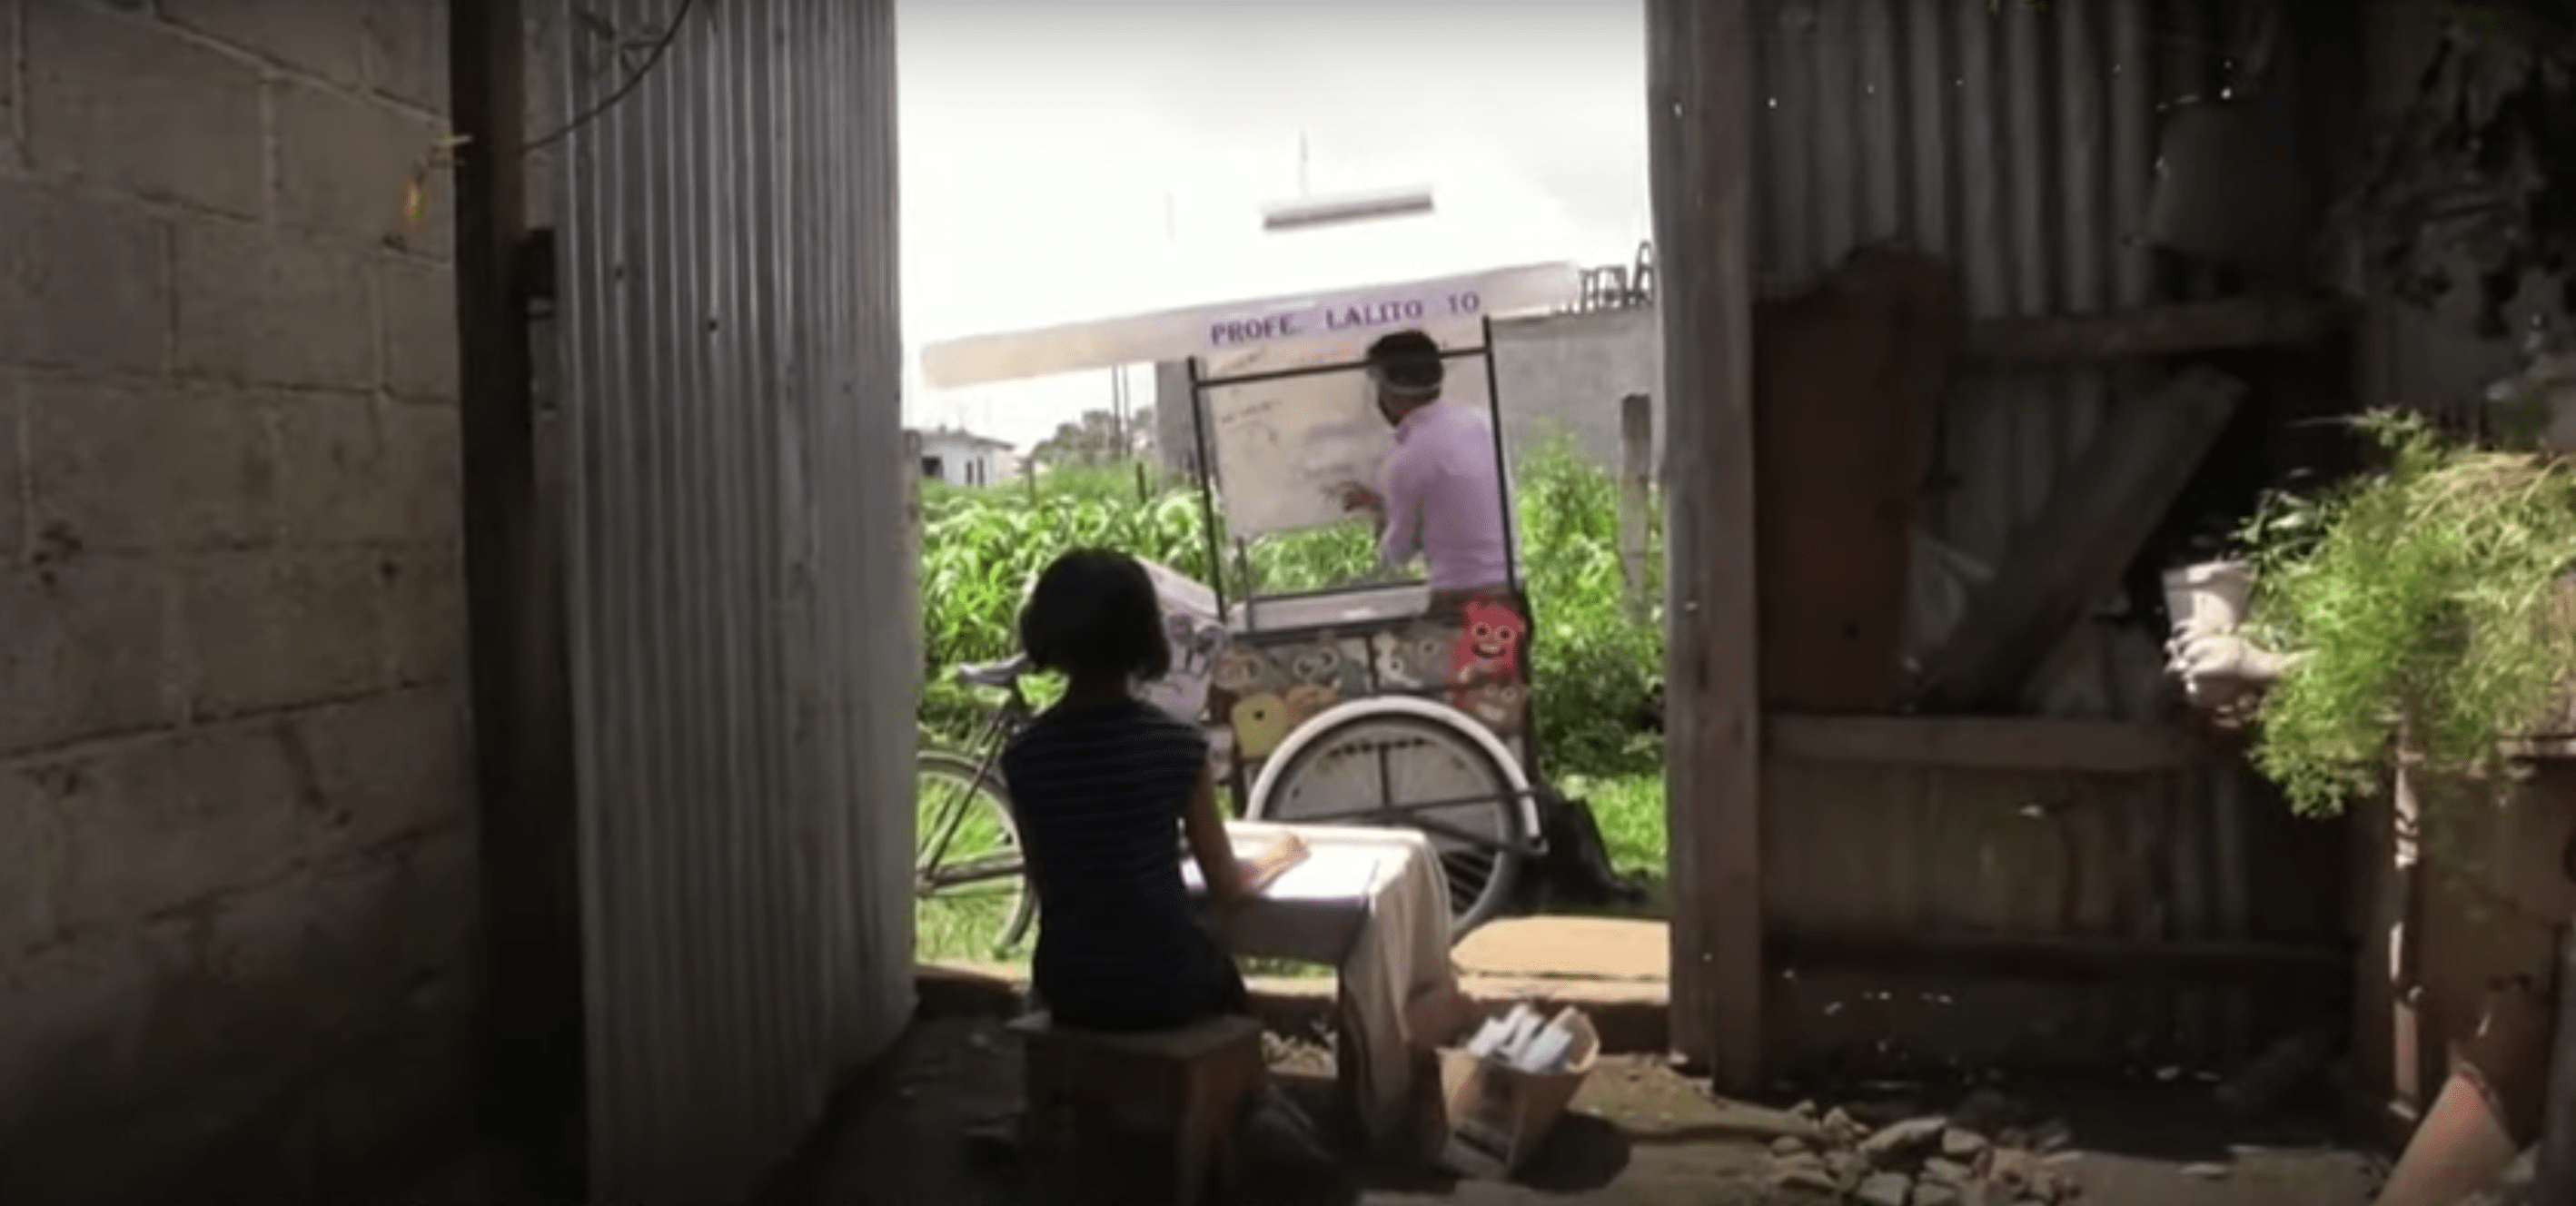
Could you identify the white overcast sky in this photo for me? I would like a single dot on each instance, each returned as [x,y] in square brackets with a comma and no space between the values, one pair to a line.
[1087,158]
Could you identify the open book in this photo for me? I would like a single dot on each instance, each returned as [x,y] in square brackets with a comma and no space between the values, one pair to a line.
[1269,856]
[1263,858]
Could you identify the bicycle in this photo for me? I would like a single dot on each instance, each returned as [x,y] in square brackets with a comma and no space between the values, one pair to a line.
[963,806]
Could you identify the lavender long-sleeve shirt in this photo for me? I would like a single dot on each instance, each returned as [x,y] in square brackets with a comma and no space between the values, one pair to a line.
[1444,499]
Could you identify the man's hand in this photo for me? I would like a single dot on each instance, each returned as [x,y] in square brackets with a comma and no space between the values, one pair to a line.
[1360,498]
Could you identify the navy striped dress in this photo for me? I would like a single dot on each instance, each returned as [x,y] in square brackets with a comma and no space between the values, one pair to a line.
[1098,792]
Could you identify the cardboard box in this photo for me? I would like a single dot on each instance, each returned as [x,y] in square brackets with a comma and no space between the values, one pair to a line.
[1497,1115]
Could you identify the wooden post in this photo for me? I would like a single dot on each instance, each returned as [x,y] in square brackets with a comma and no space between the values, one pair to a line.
[527,833]
[2555,1178]
[1636,477]
[1699,97]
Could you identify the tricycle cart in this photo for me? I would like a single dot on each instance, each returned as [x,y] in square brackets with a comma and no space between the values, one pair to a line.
[1354,704]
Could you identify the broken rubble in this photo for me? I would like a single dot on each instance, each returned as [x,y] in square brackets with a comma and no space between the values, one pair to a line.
[1960,1143]
[1903,1140]
[1886,1189]
[1804,1171]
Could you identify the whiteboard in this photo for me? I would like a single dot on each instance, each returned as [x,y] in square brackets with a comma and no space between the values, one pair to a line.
[1287,449]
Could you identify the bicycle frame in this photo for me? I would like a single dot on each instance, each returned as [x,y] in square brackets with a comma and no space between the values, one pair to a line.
[1006,722]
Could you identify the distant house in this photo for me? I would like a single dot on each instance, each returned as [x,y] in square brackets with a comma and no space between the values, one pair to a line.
[962,458]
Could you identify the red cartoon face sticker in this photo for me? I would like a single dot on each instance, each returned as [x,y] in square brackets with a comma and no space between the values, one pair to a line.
[1492,639]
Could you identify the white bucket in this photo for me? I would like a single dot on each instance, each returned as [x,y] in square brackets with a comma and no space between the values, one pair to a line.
[2208,597]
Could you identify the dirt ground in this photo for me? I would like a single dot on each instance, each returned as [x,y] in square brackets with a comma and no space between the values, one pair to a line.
[1639,1133]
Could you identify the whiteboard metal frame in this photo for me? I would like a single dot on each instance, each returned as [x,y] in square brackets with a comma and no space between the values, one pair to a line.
[1210,520]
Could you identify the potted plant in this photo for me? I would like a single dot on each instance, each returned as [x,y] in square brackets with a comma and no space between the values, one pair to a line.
[2427,601]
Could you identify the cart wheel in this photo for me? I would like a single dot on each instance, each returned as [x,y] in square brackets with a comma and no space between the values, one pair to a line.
[1388,753]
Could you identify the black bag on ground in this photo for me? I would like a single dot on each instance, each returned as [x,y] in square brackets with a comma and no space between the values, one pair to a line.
[1577,869]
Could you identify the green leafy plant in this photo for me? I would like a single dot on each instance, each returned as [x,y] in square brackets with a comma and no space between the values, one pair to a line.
[2426,603]
[1594,661]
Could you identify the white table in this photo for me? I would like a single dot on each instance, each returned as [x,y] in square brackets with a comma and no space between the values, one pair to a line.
[1373,905]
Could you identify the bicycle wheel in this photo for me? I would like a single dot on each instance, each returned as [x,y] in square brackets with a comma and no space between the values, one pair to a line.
[1388,754]
[971,897]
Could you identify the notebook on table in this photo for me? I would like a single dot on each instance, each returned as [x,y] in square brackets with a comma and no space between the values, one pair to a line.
[1264,857]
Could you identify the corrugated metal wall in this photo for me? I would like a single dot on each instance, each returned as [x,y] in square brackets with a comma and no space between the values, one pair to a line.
[2019,141]
[736,505]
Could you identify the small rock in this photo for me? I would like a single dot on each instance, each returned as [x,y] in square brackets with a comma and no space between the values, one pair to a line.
[1838,1126]
[2051,1136]
[1948,1172]
[2011,1171]
[1804,1109]
[1960,1143]
[2205,1172]
[1930,1193]
[1848,1168]
[1804,1172]
[1886,1189]
[1903,1140]
[2050,1187]
[1788,1145]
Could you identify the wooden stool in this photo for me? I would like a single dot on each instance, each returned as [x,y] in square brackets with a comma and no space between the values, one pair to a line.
[1198,1077]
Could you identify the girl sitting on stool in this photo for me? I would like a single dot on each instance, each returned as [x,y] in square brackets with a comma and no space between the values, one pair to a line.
[1097,784]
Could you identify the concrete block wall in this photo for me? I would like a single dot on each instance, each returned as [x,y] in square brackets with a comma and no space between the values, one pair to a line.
[1564,374]
[237,892]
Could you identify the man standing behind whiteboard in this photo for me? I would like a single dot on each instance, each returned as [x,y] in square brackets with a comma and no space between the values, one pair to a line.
[1442,493]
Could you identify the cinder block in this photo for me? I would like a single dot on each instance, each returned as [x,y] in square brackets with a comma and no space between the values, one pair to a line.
[122,101]
[325,39]
[13,473]
[420,328]
[425,615]
[424,472]
[155,825]
[334,954]
[91,1022]
[132,467]
[342,166]
[88,651]
[393,1102]
[272,628]
[81,283]
[259,308]
[387,766]
[332,471]
[407,51]
[353,471]
[11,153]
[32,853]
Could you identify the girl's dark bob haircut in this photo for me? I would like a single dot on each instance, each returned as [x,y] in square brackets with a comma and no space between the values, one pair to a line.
[1095,615]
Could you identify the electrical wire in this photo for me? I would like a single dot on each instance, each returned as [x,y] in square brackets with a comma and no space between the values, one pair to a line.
[652,57]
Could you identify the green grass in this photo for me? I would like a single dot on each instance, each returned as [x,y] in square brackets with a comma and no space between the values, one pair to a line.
[1594,660]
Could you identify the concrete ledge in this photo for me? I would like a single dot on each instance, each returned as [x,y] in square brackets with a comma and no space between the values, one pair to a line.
[946,991]
[1633,1017]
